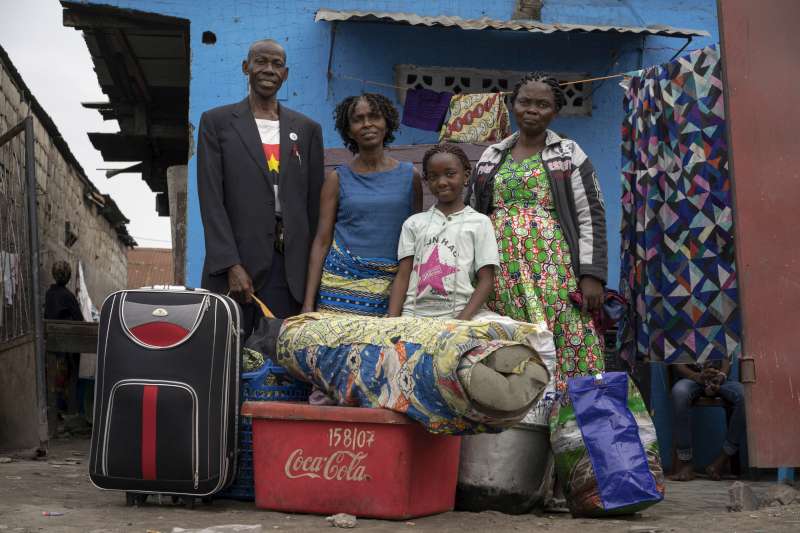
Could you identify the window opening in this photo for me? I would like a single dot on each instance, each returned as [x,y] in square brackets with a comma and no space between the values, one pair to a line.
[470,80]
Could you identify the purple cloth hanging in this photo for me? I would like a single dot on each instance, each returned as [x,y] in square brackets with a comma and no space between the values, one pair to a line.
[425,109]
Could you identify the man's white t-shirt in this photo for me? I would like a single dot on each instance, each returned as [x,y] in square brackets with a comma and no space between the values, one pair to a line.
[270,133]
[448,251]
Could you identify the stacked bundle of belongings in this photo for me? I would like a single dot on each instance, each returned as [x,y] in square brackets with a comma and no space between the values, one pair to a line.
[451,376]
[471,377]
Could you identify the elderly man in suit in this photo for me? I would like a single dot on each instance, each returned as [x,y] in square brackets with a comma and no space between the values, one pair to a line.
[259,176]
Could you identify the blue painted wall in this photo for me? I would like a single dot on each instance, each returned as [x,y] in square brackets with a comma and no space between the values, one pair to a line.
[370,51]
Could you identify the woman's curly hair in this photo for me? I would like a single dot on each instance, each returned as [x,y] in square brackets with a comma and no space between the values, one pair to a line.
[558,93]
[378,103]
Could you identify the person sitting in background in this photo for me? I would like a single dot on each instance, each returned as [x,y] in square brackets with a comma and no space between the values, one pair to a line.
[710,379]
[447,254]
[61,304]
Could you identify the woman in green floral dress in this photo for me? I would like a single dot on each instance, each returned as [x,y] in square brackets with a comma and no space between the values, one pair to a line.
[541,192]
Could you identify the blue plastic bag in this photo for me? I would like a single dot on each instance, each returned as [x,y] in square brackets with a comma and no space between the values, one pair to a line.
[611,436]
[605,447]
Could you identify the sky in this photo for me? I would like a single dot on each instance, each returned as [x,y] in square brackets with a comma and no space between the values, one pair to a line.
[55,64]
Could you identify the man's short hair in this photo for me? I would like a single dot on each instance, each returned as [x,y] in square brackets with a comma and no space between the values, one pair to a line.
[273,41]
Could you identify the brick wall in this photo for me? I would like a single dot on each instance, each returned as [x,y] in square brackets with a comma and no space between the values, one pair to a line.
[63,196]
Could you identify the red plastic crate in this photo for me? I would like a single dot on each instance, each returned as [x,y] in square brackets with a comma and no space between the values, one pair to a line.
[365,462]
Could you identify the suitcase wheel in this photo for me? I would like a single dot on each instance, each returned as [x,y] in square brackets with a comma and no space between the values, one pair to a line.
[208,500]
[188,501]
[133,499]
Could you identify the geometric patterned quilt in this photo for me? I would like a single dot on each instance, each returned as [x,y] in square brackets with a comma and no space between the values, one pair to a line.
[677,266]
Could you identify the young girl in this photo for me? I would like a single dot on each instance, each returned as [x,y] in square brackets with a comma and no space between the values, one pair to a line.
[447,254]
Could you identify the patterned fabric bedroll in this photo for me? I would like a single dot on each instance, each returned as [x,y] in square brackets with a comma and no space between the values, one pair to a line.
[416,366]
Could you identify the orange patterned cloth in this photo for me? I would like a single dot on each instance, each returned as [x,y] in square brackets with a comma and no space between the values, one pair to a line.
[476,118]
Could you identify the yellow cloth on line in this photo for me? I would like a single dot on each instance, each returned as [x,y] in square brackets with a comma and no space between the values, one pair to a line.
[476,118]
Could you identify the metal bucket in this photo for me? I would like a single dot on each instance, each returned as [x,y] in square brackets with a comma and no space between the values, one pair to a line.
[503,472]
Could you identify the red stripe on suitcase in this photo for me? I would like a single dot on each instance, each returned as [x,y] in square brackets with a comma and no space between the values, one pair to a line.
[149,404]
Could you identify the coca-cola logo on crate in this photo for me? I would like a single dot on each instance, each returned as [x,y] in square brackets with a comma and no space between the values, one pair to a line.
[346,464]
[340,466]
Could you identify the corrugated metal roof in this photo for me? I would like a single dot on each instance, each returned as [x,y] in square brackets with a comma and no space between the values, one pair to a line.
[484,23]
[142,64]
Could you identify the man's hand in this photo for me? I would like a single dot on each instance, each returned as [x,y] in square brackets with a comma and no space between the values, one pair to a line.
[240,285]
[711,388]
[307,309]
[592,291]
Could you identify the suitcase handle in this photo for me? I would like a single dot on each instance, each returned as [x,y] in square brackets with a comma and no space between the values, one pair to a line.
[171,288]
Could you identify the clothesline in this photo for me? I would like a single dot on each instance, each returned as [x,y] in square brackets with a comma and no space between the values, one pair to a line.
[475,118]
[562,84]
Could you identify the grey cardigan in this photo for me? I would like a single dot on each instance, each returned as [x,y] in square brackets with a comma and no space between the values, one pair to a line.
[576,193]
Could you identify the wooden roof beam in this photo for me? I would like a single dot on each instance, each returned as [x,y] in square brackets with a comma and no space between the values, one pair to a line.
[82,16]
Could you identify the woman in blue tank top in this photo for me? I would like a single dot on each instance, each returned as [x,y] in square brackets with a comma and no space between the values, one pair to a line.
[363,206]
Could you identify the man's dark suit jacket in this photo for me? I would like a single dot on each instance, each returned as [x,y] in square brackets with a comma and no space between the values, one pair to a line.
[237,203]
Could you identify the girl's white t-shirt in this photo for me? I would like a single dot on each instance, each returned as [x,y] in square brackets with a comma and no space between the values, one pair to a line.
[448,251]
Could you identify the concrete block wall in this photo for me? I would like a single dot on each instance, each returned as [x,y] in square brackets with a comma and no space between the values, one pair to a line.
[61,197]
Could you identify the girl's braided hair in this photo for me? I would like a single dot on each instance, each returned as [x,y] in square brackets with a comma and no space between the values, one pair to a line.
[558,93]
[446,148]
[377,102]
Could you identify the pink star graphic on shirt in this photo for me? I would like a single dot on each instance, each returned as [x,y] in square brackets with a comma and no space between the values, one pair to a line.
[432,273]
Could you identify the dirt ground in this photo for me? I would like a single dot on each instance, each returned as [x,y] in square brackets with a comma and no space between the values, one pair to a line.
[59,483]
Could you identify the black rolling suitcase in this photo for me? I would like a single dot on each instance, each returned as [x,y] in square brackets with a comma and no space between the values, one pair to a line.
[166,394]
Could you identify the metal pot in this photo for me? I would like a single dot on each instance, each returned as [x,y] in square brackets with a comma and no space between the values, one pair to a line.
[503,472]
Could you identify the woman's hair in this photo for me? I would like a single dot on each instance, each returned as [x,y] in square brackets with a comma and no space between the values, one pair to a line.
[377,102]
[558,93]
[61,272]
[446,148]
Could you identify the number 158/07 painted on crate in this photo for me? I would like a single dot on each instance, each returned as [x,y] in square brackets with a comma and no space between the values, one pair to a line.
[352,438]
